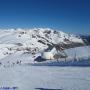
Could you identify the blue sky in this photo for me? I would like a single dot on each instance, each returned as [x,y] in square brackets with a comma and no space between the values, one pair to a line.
[68,15]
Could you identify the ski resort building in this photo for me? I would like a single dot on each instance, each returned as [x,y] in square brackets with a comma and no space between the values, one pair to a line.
[49,54]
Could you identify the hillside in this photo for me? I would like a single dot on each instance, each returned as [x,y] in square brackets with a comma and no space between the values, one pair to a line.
[24,45]
[19,70]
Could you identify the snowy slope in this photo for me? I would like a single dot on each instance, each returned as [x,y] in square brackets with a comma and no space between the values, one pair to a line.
[79,52]
[31,35]
[24,45]
[19,48]
[45,78]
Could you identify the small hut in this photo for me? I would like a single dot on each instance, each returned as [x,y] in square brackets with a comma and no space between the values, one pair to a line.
[49,54]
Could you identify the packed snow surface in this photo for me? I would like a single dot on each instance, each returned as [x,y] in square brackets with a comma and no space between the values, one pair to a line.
[45,78]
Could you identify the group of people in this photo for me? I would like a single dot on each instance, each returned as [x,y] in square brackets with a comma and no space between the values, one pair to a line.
[8,64]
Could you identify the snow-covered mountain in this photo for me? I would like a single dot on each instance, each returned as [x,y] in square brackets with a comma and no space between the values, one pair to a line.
[26,44]
[20,47]
[86,38]
[37,37]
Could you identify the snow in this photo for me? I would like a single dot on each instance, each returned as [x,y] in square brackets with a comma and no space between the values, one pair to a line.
[11,59]
[11,36]
[81,52]
[11,52]
[18,68]
[45,77]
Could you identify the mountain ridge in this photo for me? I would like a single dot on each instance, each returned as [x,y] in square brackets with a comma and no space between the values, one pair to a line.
[29,44]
